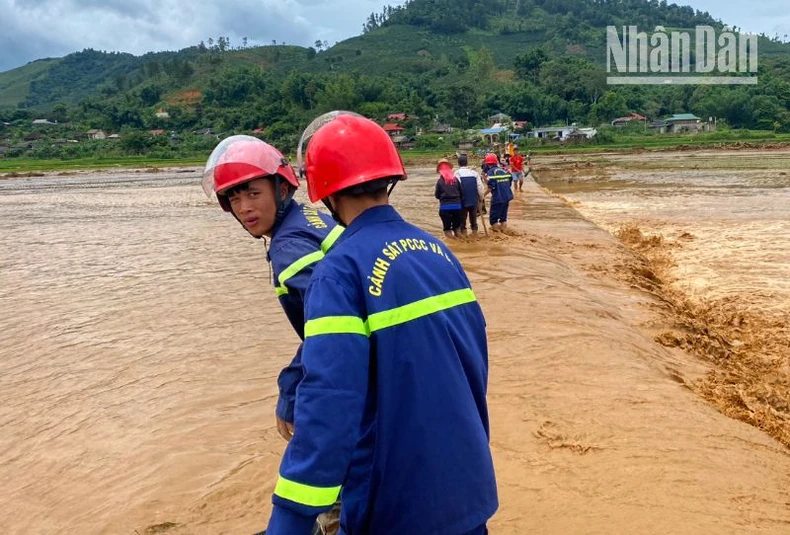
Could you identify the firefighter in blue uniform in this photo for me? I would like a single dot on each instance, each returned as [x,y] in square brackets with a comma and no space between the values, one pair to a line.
[499,182]
[253,181]
[391,412]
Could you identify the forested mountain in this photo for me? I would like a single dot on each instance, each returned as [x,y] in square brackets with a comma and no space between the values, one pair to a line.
[452,61]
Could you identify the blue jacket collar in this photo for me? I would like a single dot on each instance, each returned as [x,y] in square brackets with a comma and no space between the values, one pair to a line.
[371,216]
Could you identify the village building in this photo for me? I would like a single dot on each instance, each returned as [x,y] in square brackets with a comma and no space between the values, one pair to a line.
[95,133]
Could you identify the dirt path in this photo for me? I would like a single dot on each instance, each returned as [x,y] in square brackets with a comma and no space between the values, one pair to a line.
[593,428]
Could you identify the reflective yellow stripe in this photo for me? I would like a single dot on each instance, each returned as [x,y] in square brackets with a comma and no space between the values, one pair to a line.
[306,260]
[331,238]
[419,309]
[388,318]
[305,494]
[335,325]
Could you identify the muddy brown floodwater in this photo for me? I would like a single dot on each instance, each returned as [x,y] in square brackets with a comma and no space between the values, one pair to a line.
[140,341]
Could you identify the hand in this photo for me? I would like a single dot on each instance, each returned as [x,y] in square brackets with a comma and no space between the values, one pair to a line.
[286,429]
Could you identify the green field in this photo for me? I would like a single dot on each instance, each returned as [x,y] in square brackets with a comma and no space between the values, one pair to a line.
[622,143]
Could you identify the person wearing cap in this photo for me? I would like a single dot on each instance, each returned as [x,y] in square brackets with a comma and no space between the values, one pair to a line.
[451,199]
[254,182]
[391,413]
[499,183]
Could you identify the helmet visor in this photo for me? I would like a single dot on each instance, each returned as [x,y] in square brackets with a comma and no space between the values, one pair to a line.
[238,159]
[310,131]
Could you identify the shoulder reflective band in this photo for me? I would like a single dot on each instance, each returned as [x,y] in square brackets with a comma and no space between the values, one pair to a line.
[306,260]
[419,309]
[331,238]
[305,494]
[336,325]
[388,318]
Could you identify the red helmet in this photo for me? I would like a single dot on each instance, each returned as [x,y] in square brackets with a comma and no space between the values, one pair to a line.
[491,158]
[239,159]
[342,150]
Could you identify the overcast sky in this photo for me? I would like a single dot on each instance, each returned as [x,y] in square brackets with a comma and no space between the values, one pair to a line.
[33,29]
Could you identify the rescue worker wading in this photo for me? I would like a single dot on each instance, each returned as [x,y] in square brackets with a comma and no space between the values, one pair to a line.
[499,182]
[474,192]
[392,407]
[253,181]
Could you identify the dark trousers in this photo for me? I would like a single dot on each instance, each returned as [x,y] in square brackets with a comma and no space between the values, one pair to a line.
[499,212]
[470,213]
[451,219]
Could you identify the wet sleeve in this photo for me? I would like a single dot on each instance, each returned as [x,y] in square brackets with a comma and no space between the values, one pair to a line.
[293,263]
[330,402]
[287,382]
[437,192]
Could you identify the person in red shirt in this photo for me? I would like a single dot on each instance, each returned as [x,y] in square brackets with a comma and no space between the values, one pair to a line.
[517,170]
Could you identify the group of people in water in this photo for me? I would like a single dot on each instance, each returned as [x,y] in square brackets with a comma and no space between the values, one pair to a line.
[461,192]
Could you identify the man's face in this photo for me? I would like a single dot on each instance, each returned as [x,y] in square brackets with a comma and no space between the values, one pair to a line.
[255,206]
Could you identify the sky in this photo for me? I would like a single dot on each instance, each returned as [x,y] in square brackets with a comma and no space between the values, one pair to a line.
[35,29]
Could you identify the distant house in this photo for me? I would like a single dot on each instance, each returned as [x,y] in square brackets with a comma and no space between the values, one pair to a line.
[680,123]
[440,128]
[622,121]
[520,125]
[562,133]
[397,117]
[403,142]
[491,135]
[114,136]
[393,129]
[467,144]
[44,121]
[684,122]
[95,133]
[156,132]
[498,118]
[162,114]
[204,132]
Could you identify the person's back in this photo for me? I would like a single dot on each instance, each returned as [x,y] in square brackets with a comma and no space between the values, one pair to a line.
[392,406]
[499,182]
[471,185]
[430,366]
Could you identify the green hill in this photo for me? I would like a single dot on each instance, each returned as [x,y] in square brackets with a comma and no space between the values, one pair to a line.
[458,61]
[15,84]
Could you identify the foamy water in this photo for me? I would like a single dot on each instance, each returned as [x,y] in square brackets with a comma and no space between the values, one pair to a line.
[730,227]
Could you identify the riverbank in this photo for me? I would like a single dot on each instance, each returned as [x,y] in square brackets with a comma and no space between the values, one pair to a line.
[23,167]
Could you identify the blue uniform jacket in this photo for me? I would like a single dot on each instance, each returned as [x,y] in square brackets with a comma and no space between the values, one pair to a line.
[499,181]
[299,241]
[392,407]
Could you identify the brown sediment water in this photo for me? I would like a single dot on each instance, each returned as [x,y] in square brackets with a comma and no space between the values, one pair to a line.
[141,341]
[717,240]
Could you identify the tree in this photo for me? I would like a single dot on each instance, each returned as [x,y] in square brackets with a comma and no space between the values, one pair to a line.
[484,63]
[608,108]
[528,65]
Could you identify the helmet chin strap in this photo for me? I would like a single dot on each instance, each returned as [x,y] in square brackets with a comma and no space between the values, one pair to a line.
[332,211]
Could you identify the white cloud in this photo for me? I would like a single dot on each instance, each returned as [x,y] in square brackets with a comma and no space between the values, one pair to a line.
[33,29]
